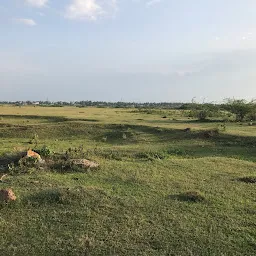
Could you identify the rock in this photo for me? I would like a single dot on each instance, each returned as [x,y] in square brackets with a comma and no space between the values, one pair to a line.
[2,177]
[7,195]
[32,154]
[84,163]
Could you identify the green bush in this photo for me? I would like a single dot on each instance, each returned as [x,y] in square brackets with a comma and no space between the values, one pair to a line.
[202,115]
[44,151]
[241,108]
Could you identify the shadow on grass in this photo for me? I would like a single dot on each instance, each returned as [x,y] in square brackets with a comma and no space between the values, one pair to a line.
[115,132]
[190,196]
[54,119]
[248,179]
[184,121]
[186,143]
[65,196]
[7,159]
[45,197]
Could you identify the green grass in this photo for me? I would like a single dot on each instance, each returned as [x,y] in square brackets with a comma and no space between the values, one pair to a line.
[159,190]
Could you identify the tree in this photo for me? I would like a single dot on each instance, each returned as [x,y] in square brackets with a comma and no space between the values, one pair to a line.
[240,108]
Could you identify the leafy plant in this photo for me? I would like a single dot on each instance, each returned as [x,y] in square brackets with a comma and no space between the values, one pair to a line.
[34,140]
[45,151]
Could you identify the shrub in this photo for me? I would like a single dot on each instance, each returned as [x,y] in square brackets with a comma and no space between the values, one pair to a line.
[202,115]
[152,155]
[240,108]
[44,151]
[251,116]
[34,139]
[24,165]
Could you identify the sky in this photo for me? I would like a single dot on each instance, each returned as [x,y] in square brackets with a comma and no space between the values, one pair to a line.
[127,50]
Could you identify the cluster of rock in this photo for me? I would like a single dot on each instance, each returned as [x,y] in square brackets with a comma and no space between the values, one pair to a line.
[7,195]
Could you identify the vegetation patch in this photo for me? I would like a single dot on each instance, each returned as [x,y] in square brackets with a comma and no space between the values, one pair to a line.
[151,156]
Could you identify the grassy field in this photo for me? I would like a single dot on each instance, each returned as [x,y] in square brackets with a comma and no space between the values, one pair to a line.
[159,190]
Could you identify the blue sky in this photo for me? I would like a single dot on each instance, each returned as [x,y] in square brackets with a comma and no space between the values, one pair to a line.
[130,50]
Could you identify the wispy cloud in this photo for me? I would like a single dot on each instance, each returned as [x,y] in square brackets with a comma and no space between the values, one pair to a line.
[90,9]
[27,22]
[153,2]
[37,3]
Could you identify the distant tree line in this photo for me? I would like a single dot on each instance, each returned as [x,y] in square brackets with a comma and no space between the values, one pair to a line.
[102,104]
[241,109]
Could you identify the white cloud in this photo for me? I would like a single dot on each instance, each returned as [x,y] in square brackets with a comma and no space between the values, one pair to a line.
[37,3]
[28,22]
[90,9]
[153,2]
